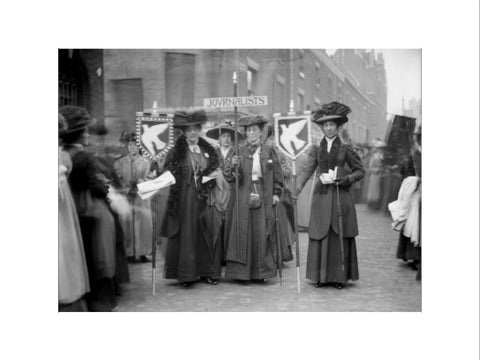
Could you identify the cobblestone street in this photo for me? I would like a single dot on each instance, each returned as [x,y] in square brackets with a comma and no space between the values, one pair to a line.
[386,283]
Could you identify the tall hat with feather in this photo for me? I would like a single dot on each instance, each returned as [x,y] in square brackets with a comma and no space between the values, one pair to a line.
[334,111]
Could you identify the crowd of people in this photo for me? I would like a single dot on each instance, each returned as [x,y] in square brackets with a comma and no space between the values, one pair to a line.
[227,209]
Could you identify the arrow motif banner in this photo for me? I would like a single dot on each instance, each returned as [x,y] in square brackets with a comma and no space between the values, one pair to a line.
[293,135]
[154,134]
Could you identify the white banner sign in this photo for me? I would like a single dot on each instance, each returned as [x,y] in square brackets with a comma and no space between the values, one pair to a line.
[293,135]
[230,102]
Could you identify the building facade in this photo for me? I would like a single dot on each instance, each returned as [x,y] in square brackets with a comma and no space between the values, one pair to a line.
[113,84]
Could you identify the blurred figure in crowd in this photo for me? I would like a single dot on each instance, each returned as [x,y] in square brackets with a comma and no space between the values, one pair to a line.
[409,244]
[284,208]
[376,172]
[190,254]
[73,281]
[324,257]
[225,134]
[118,205]
[131,170]
[251,256]
[89,187]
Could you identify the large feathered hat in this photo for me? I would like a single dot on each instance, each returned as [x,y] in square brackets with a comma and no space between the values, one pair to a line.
[183,119]
[250,120]
[77,119]
[333,111]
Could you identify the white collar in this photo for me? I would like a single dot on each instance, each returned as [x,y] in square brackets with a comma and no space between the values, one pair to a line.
[194,148]
[225,150]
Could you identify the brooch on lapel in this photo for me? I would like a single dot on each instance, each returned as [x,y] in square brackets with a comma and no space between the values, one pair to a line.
[206,155]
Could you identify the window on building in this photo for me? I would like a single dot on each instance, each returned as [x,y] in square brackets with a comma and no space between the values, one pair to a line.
[301,71]
[180,79]
[317,84]
[67,92]
[251,79]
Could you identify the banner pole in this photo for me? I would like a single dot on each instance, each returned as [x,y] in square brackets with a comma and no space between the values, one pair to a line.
[236,166]
[295,217]
[154,243]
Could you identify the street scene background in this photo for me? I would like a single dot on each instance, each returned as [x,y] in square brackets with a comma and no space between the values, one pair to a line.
[116,86]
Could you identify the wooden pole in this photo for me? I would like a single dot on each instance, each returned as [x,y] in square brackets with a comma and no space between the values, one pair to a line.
[295,225]
[279,247]
[154,242]
[340,227]
[237,202]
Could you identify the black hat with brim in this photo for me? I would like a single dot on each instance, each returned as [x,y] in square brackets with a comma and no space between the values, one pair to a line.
[77,119]
[183,119]
[250,120]
[334,111]
[219,129]
[339,120]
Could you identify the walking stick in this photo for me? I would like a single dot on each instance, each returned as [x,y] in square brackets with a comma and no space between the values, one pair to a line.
[154,243]
[279,246]
[295,225]
[236,166]
[340,226]
[133,212]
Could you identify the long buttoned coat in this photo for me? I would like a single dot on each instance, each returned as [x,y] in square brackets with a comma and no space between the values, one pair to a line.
[189,247]
[324,212]
[272,184]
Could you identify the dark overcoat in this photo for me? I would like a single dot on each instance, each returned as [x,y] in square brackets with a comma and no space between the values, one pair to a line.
[272,185]
[177,163]
[324,212]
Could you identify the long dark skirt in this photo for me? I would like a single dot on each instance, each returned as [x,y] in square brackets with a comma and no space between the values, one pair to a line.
[260,261]
[102,289]
[406,250]
[188,255]
[324,260]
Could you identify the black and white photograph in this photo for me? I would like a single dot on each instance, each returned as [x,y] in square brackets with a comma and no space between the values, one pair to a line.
[240,176]
[274,180]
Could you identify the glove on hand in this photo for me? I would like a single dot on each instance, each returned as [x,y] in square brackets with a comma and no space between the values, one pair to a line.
[343,182]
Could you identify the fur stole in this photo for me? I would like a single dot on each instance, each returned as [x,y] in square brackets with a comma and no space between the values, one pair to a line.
[174,161]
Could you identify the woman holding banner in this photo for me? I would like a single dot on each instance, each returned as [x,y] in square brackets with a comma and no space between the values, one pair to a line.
[190,253]
[225,134]
[251,252]
[333,221]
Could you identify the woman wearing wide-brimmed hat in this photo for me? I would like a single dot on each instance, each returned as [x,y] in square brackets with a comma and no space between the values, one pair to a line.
[251,255]
[89,187]
[190,254]
[324,262]
[225,134]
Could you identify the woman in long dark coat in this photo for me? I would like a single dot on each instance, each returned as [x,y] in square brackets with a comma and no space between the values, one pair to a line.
[324,251]
[190,254]
[251,256]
